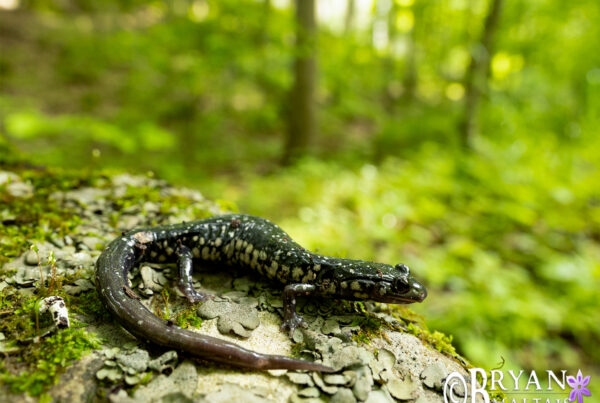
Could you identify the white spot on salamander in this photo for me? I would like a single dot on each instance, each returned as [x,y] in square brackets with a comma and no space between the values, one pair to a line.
[143,237]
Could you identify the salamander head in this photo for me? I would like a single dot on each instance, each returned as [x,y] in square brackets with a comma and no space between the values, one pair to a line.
[373,281]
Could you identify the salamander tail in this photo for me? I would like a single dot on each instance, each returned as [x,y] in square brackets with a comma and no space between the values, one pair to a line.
[282,362]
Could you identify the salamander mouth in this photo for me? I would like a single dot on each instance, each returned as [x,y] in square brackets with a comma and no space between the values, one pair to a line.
[415,292]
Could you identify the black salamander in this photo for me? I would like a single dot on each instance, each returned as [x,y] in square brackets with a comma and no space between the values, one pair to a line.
[247,242]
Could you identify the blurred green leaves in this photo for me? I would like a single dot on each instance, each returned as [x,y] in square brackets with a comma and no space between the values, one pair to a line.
[143,137]
[506,240]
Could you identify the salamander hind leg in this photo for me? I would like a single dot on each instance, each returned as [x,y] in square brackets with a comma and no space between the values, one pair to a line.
[291,320]
[185,276]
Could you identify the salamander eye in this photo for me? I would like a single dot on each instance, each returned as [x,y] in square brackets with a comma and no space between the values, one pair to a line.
[403,269]
[400,285]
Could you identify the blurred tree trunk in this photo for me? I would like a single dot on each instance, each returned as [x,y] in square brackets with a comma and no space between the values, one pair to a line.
[263,36]
[389,62]
[477,74]
[302,120]
[349,18]
[409,83]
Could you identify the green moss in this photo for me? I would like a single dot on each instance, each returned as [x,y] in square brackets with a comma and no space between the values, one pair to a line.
[44,362]
[370,325]
[188,317]
[88,303]
[297,349]
[438,340]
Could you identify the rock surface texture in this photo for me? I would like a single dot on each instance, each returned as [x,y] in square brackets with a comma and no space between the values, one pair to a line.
[375,358]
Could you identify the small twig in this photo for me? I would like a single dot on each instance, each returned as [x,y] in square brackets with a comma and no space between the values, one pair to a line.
[52,263]
[37,254]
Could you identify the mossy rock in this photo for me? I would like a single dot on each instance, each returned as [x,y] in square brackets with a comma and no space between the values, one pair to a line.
[69,217]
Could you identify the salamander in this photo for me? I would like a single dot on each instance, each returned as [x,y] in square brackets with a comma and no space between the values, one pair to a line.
[247,242]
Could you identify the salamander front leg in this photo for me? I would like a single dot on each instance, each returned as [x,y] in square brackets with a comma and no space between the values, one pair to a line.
[291,320]
[185,276]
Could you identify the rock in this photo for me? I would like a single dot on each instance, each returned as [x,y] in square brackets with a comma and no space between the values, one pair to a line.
[348,356]
[343,395]
[402,389]
[31,258]
[80,259]
[93,243]
[137,360]
[80,286]
[331,326]
[242,284]
[233,393]
[185,377]
[183,380]
[159,364]
[382,366]
[428,399]
[78,383]
[8,177]
[20,189]
[150,278]
[364,382]
[300,378]
[309,392]
[112,374]
[176,397]
[336,379]
[434,375]
[233,318]
[321,384]
[379,396]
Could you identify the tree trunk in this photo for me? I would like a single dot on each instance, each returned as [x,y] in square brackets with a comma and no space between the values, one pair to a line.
[302,120]
[389,63]
[477,74]
[263,34]
[349,18]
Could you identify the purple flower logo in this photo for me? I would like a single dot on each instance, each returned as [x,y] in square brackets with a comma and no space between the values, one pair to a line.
[579,387]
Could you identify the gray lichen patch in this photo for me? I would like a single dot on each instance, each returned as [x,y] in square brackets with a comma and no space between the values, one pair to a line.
[234,318]
[183,380]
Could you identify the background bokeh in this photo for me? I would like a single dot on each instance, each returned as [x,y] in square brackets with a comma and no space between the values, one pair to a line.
[505,231]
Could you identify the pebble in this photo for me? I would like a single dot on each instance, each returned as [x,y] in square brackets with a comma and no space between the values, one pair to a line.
[31,258]
[150,279]
[93,243]
[20,189]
